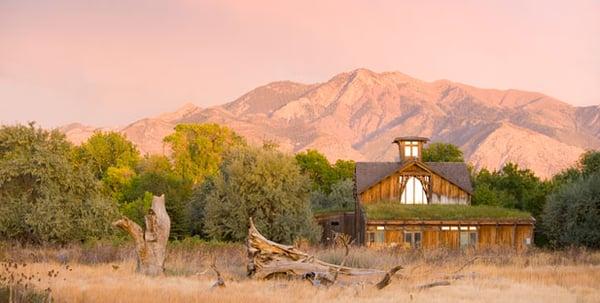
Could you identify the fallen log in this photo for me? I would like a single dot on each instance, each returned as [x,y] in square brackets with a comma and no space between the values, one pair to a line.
[445,281]
[151,244]
[268,259]
[433,284]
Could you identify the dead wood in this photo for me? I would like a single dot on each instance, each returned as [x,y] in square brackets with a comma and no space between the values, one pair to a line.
[151,244]
[387,279]
[433,284]
[268,259]
[465,265]
[448,277]
[220,281]
[343,239]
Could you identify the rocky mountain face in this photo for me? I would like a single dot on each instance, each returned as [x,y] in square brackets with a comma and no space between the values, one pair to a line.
[356,115]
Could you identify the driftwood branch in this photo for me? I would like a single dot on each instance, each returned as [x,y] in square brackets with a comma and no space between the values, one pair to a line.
[387,279]
[267,259]
[433,284]
[449,277]
[220,281]
[151,244]
[344,240]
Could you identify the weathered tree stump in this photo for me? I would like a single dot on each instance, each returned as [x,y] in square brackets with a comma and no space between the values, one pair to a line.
[267,259]
[151,244]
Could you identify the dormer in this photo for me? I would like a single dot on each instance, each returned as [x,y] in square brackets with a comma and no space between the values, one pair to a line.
[410,147]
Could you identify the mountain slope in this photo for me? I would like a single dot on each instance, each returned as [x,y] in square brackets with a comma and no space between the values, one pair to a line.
[356,115]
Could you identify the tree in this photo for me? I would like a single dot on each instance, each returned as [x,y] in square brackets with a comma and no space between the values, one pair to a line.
[442,152]
[107,149]
[321,172]
[588,164]
[198,149]
[341,197]
[572,214]
[512,187]
[44,195]
[485,194]
[263,184]
[157,178]
[344,169]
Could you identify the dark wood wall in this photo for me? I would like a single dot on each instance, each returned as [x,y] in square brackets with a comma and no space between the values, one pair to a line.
[336,223]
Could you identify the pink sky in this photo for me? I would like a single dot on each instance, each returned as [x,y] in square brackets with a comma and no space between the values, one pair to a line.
[111,62]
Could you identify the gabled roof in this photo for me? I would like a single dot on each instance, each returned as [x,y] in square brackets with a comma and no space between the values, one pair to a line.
[368,174]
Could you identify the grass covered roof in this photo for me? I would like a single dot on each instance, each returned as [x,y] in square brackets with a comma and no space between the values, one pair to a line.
[397,211]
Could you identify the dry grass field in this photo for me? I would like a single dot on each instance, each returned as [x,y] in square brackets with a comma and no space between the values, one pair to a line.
[105,273]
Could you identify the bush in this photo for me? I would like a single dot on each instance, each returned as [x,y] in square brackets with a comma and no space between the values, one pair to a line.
[572,214]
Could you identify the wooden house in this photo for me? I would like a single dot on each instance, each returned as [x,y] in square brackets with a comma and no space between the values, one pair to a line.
[416,204]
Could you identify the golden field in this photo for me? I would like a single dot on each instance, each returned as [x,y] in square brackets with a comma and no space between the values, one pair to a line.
[106,274]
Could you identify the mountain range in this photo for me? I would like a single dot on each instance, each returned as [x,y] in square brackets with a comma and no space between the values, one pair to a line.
[356,115]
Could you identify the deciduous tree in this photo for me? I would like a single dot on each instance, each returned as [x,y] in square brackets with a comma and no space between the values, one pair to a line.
[260,183]
[44,195]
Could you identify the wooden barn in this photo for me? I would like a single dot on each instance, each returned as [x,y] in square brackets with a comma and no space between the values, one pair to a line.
[416,204]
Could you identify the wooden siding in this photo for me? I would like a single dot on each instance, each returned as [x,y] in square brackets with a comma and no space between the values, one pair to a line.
[489,235]
[335,223]
[388,189]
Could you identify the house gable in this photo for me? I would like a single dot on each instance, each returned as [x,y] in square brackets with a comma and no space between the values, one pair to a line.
[378,181]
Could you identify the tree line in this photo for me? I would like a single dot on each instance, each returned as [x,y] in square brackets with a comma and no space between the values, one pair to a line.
[54,192]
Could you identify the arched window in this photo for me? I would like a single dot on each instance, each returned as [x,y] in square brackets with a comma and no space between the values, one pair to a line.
[414,192]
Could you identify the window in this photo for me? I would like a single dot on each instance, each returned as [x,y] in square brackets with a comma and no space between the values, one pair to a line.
[413,239]
[411,149]
[468,238]
[377,236]
[414,192]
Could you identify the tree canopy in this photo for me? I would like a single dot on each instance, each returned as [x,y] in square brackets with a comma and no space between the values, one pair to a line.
[260,183]
[104,150]
[511,187]
[45,195]
[321,172]
[588,164]
[198,149]
[442,152]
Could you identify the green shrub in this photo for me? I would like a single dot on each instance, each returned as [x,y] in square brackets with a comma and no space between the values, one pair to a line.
[572,214]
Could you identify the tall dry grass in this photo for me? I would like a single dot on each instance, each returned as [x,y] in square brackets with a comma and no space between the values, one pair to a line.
[105,273]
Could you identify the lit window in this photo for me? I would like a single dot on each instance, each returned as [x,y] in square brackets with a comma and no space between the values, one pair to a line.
[411,149]
[414,192]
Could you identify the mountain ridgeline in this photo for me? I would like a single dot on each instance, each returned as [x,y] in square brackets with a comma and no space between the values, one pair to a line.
[356,115]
